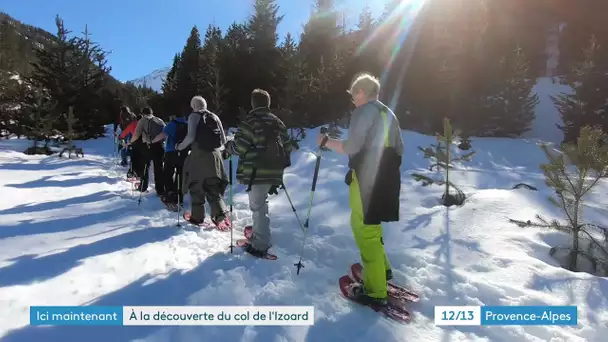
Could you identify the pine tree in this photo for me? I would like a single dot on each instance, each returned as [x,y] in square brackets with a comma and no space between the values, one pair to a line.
[443,158]
[509,109]
[318,41]
[169,88]
[366,20]
[8,46]
[263,37]
[586,105]
[73,71]
[91,73]
[71,121]
[235,54]
[188,74]
[36,114]
[214,89]
[589,159]
[290,100]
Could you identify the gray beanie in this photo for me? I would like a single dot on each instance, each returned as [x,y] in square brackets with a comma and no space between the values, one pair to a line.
[198,104]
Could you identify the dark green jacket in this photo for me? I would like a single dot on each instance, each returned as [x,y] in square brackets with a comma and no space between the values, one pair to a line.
[249,136]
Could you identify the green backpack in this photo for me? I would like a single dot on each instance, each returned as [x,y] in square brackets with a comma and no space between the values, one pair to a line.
[269,151]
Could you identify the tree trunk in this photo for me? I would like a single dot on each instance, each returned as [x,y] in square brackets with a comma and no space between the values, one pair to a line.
[575,230]
[574,251]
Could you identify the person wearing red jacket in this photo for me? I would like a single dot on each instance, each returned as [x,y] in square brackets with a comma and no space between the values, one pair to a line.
[128,122]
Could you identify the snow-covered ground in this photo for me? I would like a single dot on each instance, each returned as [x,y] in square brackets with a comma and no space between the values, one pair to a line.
[72,233]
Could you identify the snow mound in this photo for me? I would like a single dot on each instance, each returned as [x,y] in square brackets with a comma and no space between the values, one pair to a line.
[72,233]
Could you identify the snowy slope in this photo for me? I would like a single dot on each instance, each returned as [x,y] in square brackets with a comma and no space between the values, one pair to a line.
[154,80]
[547,116]
[71,233]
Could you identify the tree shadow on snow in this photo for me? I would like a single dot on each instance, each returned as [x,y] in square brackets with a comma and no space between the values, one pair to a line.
[420,221]
[43,226]
[47,182]
[595,299]
[51,163]
[174,289]
[60,204]
[30,268]
[357,325]
[451,281]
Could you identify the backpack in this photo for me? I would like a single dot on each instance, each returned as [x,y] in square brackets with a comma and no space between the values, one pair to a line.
[271,155]
[208,132]
[153,127]
[181,131]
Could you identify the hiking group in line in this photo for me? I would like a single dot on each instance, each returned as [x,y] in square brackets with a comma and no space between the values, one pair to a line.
[195,148]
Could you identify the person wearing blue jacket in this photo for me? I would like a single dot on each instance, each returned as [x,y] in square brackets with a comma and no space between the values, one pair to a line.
[174,132]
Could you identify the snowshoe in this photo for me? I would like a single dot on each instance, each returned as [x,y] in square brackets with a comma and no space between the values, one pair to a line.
[223,225]
[394,290]
[244,243]
[353,291]
[188,218]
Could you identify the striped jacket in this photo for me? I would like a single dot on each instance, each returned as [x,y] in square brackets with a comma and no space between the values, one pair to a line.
[250,137]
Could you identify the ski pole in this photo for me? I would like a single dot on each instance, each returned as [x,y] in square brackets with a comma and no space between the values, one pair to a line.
[299,264]
[145,175]
[230,198]
[179,188]
[293,208]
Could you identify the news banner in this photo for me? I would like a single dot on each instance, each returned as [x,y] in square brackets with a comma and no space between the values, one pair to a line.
[283,315]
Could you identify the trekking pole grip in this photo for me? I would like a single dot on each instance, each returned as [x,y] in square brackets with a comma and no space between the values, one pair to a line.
[324,141]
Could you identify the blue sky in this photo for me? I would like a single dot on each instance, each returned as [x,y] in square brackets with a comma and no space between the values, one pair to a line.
[144,35]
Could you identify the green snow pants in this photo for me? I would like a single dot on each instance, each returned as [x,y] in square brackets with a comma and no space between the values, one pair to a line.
[371,246]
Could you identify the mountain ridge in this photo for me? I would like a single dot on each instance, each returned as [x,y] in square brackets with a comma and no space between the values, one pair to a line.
[153,80]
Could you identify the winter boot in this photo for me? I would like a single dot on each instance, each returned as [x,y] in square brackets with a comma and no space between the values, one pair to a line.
[248,232]
[255,252]
[359,295]
[222,223]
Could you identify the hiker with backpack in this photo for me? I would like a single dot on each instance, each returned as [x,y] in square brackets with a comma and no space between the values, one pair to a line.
[204,174]
[127,123]
[175,132]
[263,146]
[148,127]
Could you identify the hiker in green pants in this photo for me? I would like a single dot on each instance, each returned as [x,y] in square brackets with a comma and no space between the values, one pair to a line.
[374,147]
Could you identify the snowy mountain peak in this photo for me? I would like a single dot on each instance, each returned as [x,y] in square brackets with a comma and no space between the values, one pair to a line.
[154,80]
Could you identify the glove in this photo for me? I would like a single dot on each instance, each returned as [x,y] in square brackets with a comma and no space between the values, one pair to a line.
[274,190]
[225,154]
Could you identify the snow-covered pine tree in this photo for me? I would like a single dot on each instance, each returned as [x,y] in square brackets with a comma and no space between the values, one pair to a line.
[443,158]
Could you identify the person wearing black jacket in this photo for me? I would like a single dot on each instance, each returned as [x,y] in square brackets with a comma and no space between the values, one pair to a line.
[148,127]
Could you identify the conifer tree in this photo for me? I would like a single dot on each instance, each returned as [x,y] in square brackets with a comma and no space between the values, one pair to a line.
[572,174]
[265,56]
[214,86]
[73,72]
[169,88]
[443,158]
[189,72]
[235,53]
[318,41]
[509,109]
[71,121]
[290,100]
[91,73]
[8,45]
[586,105]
